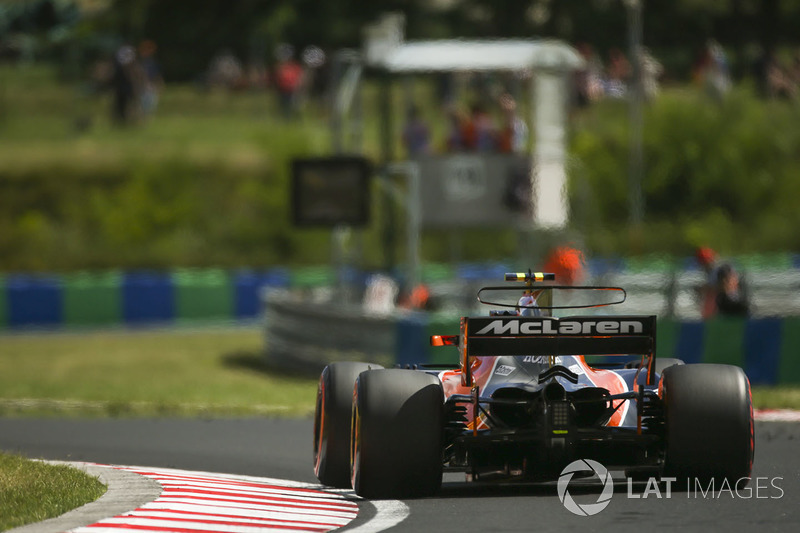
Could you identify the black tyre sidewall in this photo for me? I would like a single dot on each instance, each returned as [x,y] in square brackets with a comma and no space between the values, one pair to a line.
[332,422]
[397,434]
[709,423]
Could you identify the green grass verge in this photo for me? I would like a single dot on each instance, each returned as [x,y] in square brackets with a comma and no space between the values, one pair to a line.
[31,491]
[198,372]
[782,397]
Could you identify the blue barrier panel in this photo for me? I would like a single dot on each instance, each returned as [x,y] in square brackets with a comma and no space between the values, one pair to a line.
[247,286]
[597,266]
[689,347]
[3,303]
[277,277]
[411,344]
[147,297]
[471,272]
[762,350]
[34,301]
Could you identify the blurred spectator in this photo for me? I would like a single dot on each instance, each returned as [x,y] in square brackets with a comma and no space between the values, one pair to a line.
[513,136]
[151,80]
[567,263]
[722,291]
[288,79]
[652,70]
[416,134]
[707,258]
[618,74]
[794,69]
[589,80]
[124,84]
[225,71]
[717,76]
[730,298]
[314,60]
[455,129]
[479,132]
[779,80]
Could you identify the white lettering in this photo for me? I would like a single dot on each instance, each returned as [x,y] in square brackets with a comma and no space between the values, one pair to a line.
[710,488]
[726,487]
[607,327]
[627,327]
[630,490]
[668,481]
[747,490]
[760,487]
[547,328]
[651,488]
[777,487]
[566,327]
[498,327]
[530,328]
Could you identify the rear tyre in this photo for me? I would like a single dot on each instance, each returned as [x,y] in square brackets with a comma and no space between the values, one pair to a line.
[666,362]
[397,434]
[709,423]
[332,422]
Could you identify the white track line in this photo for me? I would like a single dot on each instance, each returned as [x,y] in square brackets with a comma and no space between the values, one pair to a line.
[777,415]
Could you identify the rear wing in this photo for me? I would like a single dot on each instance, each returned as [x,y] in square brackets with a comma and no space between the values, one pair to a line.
[549,336]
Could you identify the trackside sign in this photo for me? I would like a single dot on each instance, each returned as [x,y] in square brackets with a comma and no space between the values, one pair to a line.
[584,326]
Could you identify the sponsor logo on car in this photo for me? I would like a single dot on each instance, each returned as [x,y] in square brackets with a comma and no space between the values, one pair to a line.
[504,370]
[562,327]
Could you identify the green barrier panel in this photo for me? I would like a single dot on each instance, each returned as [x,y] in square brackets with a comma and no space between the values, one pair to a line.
[433,272]
[667,332]
[789,367]
[314,276]
[757,262]
[3,303]
[92,298]
[651,263]
[442,324]
[724,341]
[203,295]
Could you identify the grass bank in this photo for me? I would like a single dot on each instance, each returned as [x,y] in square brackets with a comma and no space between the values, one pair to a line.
[31,491]
[197,372]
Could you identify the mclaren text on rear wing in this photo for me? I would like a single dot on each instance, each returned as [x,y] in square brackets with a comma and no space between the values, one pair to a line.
[596,335]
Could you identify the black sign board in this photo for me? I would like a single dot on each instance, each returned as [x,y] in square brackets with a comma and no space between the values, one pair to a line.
[331,191]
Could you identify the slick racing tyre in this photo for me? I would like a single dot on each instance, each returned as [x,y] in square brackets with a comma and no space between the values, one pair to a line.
[708,422]
[662,363]
[332,422]
[397,434]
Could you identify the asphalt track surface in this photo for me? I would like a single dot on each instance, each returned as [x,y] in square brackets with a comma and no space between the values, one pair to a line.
[282,449]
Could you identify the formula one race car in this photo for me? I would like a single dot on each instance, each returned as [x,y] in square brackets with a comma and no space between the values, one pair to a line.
[531,393]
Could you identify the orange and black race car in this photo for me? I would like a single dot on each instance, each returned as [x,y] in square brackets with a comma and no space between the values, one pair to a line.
[531,393]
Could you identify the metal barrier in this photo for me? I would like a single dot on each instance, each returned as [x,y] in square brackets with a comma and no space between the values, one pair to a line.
[304,334]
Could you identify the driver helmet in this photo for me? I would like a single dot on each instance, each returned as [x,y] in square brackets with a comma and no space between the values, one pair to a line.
[527,306]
